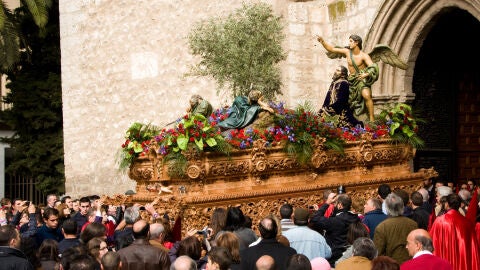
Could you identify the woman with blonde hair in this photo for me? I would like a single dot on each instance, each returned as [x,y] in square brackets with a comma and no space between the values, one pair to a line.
[231,242]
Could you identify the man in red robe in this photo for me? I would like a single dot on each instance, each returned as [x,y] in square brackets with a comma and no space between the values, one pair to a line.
[420,247]
[454,237]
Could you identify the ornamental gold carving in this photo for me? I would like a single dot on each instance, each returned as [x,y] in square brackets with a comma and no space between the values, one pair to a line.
[262,178]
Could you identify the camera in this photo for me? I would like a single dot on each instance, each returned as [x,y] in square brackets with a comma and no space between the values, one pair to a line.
[205,231]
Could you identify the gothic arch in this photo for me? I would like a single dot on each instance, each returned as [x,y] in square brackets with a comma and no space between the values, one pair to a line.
[404,25]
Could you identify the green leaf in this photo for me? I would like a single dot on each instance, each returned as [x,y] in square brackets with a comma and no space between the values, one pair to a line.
[199,144]
[211,142]
[137,147]
[182,141]
[407,131]
[393,127]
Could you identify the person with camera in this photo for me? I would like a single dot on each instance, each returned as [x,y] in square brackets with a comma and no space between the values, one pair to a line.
[336,226]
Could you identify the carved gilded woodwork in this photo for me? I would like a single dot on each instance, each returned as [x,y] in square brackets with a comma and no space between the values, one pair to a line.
[262,178]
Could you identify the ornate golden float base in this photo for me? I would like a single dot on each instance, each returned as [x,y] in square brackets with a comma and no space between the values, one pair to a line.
[260,180]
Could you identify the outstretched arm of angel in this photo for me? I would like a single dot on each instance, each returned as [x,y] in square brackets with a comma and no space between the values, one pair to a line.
[332,51]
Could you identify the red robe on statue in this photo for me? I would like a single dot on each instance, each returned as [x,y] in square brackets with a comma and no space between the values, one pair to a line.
[454,240]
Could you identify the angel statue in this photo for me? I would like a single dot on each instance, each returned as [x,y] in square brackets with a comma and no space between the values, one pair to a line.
[363,70]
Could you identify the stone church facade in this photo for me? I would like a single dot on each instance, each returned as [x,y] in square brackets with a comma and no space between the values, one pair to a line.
[124,61]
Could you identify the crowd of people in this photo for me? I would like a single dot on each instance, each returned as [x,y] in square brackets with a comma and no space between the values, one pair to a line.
[436,227]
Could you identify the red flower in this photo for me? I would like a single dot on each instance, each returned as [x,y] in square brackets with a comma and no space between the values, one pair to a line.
[192,139]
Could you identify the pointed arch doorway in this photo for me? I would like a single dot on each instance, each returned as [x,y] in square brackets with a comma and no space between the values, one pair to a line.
[446,83]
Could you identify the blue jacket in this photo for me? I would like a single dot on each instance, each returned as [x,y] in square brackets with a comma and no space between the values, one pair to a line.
[372,219]
[45,232]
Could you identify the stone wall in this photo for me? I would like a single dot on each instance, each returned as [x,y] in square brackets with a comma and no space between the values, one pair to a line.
[123,61]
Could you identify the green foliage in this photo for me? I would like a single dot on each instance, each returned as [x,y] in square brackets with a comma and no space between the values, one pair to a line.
[177,164]
[36,99]
[11,34]
[302,125]
[402,124]
[137,142]
[241,51]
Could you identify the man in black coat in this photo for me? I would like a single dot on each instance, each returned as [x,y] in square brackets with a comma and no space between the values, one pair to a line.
[419,214]
[10,256]
[268,246]
[335,227]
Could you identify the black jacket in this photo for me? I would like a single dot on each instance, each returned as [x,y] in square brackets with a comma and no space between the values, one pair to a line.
[13,259]
[279,252]
[334,228]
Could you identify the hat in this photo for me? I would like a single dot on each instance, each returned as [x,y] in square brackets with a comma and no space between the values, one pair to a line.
[129,192]
[300,215]
[320,263]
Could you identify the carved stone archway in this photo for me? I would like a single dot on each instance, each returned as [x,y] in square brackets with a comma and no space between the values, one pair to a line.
[404,25]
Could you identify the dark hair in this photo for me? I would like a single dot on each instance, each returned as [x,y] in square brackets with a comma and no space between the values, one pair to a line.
[142,233]
[64,198]
[286,211]
[384,190]
[268,228]
[402,194]
[83,262]
[344,74]
[48,250]
[298,262]
[218,220]
[111,261]
[345,200]
[7,233]
[220,256]
[49,212]
[70,226]
[191,247]
[248,222]
[364,246]
[357,39]
[417,198]
[71,254]
[385,263]
[84,200]
[94,197]
[91,231]
[235,219]
[355,230]
[454,201]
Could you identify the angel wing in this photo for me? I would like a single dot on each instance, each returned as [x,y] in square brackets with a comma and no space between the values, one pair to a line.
[387,55]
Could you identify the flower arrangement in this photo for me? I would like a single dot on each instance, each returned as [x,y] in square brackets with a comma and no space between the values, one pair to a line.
[402,124]
[191,129]
[137,143]
[294,129]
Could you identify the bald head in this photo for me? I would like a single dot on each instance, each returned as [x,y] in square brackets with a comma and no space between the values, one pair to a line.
[418,240]
[141,229]
[184,263]
[156,231]
[420,233]
[265,263]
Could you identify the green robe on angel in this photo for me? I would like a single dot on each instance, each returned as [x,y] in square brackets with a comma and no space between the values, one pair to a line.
[356,86]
